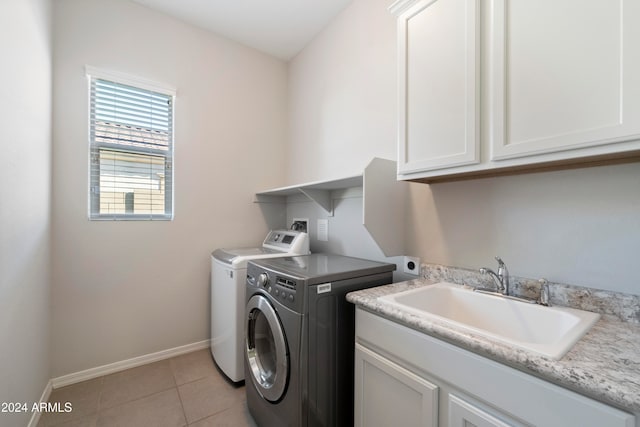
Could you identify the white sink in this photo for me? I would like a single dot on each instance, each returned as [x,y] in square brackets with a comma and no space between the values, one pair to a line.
[549,331]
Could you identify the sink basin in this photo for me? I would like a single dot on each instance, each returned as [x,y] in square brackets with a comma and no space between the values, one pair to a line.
[548,331]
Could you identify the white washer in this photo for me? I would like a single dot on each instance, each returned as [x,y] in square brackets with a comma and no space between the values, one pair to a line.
[228,278]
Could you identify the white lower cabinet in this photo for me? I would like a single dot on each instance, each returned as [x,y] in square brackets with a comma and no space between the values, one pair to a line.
[406,378]
[391,395]
[465,414]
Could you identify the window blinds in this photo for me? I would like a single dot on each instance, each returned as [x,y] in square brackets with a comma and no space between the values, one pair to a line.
[131,152]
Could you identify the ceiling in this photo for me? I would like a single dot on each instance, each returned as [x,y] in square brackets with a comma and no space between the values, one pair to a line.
[278,27]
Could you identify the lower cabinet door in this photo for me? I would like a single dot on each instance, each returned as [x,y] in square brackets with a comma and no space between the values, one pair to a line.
[386,394]
[465,414]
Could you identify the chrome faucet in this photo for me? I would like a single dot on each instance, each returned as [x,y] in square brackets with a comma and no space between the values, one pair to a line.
[501,278]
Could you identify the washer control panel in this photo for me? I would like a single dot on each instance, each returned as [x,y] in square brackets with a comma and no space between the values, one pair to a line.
[294,242]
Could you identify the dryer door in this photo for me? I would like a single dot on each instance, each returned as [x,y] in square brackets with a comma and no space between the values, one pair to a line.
[266,349]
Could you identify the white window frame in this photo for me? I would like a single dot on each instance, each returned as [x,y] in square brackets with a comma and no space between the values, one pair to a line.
[93,193]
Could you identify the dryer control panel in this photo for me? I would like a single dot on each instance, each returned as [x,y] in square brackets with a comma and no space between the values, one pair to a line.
[280,288]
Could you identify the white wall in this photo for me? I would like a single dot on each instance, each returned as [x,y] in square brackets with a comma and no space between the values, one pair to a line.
[342,96]
[25,226]
[579,226]
[125,289]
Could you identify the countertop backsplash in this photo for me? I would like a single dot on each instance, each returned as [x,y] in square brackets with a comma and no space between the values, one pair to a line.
[625,307]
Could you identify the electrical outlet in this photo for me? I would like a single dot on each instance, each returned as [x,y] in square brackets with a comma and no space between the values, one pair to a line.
[412,265]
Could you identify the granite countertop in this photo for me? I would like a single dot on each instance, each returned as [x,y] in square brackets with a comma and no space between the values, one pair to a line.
[604,364]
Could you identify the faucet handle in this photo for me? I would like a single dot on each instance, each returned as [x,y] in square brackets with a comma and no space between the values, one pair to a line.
[502,268]
[503,275]
[544,292]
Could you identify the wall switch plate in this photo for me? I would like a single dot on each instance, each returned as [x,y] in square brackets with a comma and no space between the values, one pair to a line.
[412,265]
[323,230]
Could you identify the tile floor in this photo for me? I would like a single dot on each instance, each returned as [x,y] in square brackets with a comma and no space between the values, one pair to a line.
[185,390]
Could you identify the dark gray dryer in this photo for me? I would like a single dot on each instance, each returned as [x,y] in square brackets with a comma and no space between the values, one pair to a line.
[299,337]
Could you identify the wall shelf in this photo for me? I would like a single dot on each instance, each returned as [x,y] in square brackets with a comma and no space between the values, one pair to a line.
[384,200]
[318,191]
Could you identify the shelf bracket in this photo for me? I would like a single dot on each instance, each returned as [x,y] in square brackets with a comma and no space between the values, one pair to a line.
[321,197]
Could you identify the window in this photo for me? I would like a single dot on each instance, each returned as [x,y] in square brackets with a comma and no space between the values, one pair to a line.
[131,148]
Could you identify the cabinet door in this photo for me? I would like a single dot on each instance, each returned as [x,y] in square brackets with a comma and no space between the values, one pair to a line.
[438,84]
[564,75]
[388,395]
[464,414]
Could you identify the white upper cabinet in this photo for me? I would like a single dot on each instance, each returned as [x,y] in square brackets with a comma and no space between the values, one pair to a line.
[500,86]
[564,75]
[438,82]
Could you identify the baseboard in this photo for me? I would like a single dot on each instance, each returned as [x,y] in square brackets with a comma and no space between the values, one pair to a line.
[35,415]
[99,371]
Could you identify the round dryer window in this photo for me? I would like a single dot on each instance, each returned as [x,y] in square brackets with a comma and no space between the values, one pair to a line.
[266,349]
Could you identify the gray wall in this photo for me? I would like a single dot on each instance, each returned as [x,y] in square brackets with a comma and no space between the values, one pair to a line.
[25,226]
[347,235]
[579,227]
